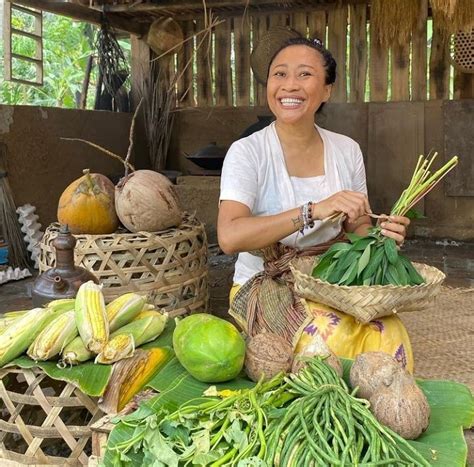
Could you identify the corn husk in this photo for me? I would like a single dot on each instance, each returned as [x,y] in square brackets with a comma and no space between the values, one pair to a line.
[130,376]
[54,337]
[91,316]
[19,336]
[123,309]
[119,347]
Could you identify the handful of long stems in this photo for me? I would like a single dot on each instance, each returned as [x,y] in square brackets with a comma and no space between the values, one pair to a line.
[375,259]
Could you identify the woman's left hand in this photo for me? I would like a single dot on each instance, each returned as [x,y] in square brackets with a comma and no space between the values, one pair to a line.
[395,227]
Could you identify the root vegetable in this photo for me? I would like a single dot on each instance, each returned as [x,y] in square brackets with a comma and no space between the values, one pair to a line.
[267,355]
[402,407]
[371,370]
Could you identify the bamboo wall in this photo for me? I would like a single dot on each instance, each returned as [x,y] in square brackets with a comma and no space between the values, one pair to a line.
[220,74]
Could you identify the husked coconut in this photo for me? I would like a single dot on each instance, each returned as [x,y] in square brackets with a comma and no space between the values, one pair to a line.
[402,406]
[317,347]
[146,201]
[373,369]
[267,355]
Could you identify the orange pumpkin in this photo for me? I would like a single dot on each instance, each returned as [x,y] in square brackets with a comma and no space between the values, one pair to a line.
[87,205]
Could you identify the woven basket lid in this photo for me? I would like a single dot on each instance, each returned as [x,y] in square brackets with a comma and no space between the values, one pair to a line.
[267,47]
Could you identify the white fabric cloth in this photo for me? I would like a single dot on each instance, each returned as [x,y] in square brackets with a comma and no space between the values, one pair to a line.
[255,174]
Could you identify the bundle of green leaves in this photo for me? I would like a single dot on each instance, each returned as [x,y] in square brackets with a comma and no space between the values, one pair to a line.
[371,260]
[375,259]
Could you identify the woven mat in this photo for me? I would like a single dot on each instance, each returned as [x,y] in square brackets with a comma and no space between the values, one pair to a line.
[443,337]
[443,342]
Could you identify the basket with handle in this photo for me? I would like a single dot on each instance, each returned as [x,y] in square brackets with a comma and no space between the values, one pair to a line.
[366,303]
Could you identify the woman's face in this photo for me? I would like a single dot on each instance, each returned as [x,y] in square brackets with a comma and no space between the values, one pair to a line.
[296,84]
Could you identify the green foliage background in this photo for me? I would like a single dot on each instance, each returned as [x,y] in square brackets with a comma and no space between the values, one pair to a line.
[67,44]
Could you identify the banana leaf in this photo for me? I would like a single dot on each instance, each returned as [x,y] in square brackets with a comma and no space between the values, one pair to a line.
[89,377]
[452,410]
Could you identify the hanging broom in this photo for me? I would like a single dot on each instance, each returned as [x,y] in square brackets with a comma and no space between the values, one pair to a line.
[9,226]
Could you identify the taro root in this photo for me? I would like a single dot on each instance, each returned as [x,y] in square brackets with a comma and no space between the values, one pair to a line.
[402,406]
[373,369]
[317,347]
[267,355]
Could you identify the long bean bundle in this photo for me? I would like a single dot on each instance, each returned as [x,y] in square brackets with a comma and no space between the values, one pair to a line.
[374,259]
[328,425]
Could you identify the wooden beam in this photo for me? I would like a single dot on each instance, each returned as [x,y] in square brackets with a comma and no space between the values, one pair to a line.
[242,60]
[83,13]
[337,44]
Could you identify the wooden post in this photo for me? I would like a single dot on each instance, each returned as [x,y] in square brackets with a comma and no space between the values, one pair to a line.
[400,68]
[242,60]
[204,68]
[358,52]
[141,56]
[185,84]
[439,65]
[419,46]
[223,69]
[337,44]
[378,71]
[317,25]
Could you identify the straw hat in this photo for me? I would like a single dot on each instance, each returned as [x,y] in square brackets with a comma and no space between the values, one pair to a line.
[266,48]
[164,35]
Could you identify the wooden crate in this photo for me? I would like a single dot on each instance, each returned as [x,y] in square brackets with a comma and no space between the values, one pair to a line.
[44,421]
[169,267]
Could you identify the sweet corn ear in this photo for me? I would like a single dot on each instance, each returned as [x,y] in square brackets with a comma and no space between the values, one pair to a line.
[75,352]
[52,339]
[119,347]
[147,326]
[91,317]
[23,331]
[63,304]
[123,309]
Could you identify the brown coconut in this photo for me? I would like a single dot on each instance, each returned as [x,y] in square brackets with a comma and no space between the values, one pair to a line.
[402,406]
[267,355]
[317,347]
[146,201]
[373,369]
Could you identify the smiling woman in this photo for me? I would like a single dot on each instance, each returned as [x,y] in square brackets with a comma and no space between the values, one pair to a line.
[285,191]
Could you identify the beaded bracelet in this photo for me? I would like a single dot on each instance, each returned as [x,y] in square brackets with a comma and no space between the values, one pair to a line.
[306,216]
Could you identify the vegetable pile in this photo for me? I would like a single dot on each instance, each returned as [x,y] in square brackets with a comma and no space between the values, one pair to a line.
[374,259]
[306,419]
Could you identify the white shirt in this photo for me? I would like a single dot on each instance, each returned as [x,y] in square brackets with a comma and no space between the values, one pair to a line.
[255,174]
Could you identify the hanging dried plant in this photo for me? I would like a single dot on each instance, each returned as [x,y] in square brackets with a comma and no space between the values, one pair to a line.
[113,66]
[390,24]
[158,93]
[451,16]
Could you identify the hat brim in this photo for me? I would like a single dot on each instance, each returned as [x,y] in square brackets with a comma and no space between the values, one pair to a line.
[267,46]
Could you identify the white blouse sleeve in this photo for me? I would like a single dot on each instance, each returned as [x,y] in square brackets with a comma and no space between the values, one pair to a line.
[359,182]
[239,176]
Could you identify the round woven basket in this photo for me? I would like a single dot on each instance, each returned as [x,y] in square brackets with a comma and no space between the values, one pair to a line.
[169,267]
[366,303]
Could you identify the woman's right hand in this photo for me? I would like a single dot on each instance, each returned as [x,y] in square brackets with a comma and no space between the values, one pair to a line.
[352,203]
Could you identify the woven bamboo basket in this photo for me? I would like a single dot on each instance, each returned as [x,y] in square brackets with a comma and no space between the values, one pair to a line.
[44,421]
[366,303]
[169,267]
